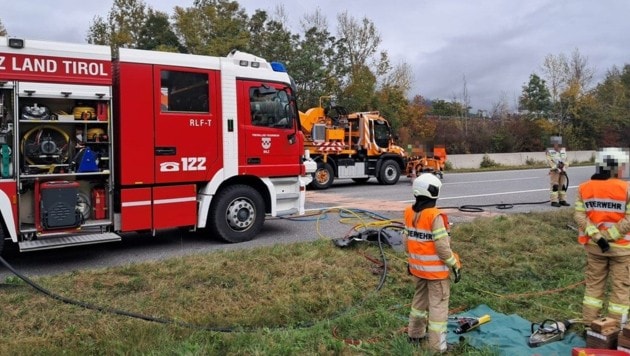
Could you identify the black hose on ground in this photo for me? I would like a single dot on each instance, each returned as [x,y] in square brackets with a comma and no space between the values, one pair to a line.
[478,208]
[108,309]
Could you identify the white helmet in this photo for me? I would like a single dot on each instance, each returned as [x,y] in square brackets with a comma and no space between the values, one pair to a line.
[611,158]
[427,185]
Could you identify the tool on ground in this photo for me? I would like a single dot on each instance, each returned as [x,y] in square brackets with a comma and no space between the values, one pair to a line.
[467,324]
[548,331]
[389,237]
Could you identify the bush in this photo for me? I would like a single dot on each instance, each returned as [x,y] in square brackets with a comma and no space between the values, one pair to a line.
[532,162]
[487,162]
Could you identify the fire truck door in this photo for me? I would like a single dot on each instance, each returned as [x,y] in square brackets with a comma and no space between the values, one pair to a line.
[187,125]
[268,142]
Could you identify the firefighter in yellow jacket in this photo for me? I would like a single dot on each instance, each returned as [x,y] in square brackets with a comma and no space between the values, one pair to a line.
[558,164]
[602,213]
[430,261]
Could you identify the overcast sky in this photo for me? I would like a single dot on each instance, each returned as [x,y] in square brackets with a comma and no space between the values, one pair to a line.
[495,45]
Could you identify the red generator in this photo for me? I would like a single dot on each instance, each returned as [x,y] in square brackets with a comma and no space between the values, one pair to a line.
[58,205]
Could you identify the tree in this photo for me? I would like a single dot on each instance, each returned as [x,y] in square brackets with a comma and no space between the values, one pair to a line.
[580,71]
[361,39]
[212,27]
[415,125]
[157,34]
[269,37]
[124,23]
[445,108]
[3,31]
[99,32]
[318,68]
[555,69]
[359,94]
[536,98]
[612,117]
[391,97]
[501,108]
[360,43]
[579,109]
[570,80]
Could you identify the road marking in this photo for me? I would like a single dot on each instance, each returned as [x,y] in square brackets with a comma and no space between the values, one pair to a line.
[490,181]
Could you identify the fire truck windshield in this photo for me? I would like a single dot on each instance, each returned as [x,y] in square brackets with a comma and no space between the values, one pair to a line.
[270,107]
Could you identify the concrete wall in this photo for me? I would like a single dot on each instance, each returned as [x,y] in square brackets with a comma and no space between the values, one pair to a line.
[512,159]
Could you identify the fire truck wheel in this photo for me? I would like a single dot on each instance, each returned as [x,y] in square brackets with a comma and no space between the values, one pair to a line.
[389,173]
[1,240]
[237,213]
[323,176]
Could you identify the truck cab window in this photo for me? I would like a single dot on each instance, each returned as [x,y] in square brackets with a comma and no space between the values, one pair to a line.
[270,107]
[382,134]
[184,92]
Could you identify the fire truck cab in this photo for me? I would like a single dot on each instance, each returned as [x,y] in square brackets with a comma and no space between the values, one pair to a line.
[93,146]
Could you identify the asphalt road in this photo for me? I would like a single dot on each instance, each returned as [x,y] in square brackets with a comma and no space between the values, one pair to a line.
[520,190]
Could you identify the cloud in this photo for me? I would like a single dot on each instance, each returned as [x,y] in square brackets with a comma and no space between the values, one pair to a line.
[495,44]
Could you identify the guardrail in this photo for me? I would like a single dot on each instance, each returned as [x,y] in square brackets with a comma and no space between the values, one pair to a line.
[512,159]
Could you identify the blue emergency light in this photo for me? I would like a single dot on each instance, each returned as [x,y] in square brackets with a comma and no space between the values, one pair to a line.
[278,67]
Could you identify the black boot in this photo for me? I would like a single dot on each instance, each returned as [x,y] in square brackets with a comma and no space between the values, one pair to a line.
[555,203]
[564,203]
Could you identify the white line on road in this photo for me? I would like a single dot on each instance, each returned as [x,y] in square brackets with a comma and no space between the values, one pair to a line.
[490,181]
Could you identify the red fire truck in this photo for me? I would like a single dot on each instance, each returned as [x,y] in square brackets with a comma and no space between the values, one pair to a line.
[93,147]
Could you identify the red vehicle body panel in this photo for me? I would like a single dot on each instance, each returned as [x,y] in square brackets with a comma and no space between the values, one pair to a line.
[264,151]
[55,69]
[192,139]
[134,126]
[135,211]
[174,206]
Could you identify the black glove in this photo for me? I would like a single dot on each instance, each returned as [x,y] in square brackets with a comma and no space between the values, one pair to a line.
[457,272]
[603,244]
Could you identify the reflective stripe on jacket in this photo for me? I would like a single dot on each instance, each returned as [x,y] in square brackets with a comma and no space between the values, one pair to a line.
[424,261]
[554,157]
[604,202]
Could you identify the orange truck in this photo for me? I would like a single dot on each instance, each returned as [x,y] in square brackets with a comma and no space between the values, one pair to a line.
[358,146]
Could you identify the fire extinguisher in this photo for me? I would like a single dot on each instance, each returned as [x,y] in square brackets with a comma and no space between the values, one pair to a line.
[99,204]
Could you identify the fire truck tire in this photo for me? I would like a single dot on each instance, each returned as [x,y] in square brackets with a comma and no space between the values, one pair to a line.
[237,214]
[323,176]
[389,172]
[1,240]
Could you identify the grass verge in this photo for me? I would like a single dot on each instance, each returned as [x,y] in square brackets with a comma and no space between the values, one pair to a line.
[308,298]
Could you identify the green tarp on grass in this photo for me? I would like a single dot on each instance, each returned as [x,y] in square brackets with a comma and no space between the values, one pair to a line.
[508,335]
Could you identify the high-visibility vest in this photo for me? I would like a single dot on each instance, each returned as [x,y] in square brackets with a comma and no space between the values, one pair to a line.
[605,204]
[424,261]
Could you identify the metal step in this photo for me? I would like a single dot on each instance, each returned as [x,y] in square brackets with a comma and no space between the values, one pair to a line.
[66,241]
